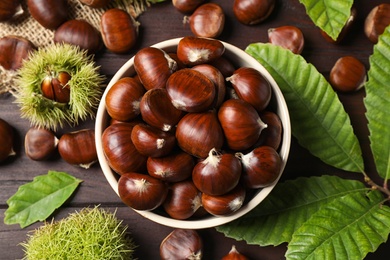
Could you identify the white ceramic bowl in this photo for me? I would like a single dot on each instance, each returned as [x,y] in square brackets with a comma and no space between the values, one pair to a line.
[239,58]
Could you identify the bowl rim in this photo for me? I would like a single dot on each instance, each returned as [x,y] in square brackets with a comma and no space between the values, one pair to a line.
[231,51]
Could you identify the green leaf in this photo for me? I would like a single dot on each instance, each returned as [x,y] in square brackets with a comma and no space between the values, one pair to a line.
[289,205]
[318,119]
[377,103]
[37,200]
[329,15]
[346,228]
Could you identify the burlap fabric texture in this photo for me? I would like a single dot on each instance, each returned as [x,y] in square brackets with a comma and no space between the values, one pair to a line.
[26,26]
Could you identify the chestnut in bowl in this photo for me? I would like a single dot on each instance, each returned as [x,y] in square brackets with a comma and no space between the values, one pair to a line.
[239,58]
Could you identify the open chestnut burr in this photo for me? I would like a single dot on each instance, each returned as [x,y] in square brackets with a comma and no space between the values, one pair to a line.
[277,104]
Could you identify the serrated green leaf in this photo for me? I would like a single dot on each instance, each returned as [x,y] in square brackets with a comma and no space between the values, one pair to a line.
[289,205]
[329,15]
[37,200]
[346,228]
[377,103]
[318,119]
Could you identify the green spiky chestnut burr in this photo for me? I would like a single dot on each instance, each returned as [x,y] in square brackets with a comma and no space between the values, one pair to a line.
[59,84]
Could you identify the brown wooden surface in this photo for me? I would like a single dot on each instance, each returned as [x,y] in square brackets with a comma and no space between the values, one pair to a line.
[162,22]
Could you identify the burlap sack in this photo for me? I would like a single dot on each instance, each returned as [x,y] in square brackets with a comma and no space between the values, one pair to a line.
[27,27]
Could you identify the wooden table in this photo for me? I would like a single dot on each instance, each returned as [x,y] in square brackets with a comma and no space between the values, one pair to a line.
[162,22]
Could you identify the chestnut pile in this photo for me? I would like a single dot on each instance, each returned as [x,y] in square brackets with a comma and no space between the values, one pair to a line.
[184,139]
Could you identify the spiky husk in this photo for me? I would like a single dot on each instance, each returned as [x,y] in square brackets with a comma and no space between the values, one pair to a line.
[91,233]
[86,86]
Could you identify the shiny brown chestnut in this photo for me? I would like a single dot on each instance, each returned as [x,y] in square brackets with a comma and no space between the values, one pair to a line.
[190,90]
[49,13]
[183,200]
[218,174]
[141,191]
[150,141]
[153,66]
[9,8]
[251,86]
[217,78]
[224,65]
[14,50]
[225,204]
[182,244]
[81,33]
[157,110]
[272,135]
[123,99]
[261,167]
[241,124]
[288,36]
[348,74]
[96,3]
[186,6]
[6,140]
[119,30]
[197,50]
[234,255]
[78,148]
[119,150]
[174,167]
[198,133]
[40,143]
[208,20]
[344,31]
[251,12]
[55,86]
[376,21]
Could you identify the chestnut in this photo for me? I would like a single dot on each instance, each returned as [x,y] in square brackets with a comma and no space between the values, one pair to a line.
[224,204]
[376,22]
[186,6]
[150,141]
[197,50]
[251,86]
[153,66]
[272,135]
[123,99]
[251,12]
[190,90]
[49,13]
[198,133]
[208,20]
[241,124]
[288,36]
[183,200]
[218,174]
[6,140]
[157,110]
[174,167]
[80,33]
[40,143]
[141,191]
[348,74]
[119,30]
[78,148]
[261,167]
[55,86]
[182,244]
[217,78]
[234,255]
[119,150]
[347,27]
[96,3]
[9,8]
[13,50]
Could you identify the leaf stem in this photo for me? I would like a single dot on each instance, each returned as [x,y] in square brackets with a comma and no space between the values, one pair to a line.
[375,186]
